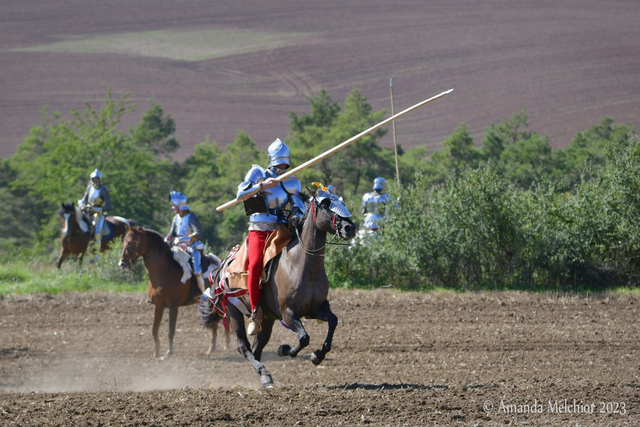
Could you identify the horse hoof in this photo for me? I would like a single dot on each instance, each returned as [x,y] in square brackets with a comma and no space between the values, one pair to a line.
[266,381]
[284,350]
[317,357]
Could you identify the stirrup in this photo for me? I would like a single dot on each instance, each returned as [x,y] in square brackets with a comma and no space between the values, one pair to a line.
[254,327]
[255,324]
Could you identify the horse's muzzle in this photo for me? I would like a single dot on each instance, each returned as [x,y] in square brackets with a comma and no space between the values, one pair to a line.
[347,231]
[125,264]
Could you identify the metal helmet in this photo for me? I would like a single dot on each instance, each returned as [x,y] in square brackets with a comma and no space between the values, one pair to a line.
[96,174]
[178,199]
[332,189]
[278,154]
[379,183]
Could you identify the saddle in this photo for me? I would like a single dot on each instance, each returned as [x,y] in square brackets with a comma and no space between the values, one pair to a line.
[208,262]
[237,273]
[232,274]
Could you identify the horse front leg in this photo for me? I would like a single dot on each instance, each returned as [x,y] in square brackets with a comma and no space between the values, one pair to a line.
[262,338]
[324,313]
[244,348]
[157,318]
[294,323]
[63,255]
[173,317]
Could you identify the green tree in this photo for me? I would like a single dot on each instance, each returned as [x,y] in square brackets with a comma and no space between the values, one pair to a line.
[53,165]
[327,126]
[458,153]
[155,131]
[528,160]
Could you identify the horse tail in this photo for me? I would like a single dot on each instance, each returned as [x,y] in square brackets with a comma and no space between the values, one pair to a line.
[208,314]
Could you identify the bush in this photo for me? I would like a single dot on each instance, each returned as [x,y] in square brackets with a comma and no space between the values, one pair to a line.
[478,230]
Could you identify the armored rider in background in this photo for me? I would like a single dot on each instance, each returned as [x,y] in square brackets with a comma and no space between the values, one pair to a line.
[374,205]
[266,212]
[185,229]
[95,203]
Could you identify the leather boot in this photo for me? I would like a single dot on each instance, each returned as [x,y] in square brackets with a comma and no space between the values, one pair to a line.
[254,324]
[200,282]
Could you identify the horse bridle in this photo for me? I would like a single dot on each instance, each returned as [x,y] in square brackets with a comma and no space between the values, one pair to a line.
[135,249]
[336,235]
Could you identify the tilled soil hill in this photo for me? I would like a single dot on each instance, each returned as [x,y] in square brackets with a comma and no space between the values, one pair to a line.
[220,67]
[480,359]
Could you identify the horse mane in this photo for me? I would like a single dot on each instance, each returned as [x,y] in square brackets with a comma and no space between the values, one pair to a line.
[306,199]
[156,240]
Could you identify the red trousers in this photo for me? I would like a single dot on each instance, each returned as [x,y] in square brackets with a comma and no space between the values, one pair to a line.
[255,252]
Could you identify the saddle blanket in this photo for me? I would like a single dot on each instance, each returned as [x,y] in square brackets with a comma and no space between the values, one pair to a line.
[229,280]
[182,257]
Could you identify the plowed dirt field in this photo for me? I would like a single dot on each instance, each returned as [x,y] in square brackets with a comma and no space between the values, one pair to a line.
[398,359]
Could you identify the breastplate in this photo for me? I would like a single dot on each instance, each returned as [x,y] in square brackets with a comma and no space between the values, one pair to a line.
[182,228]
[276,197]
[374,203]
[94,196]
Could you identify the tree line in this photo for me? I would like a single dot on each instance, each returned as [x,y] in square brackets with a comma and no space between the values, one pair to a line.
[462,211]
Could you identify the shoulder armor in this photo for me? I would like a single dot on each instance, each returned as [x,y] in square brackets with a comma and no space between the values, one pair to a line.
[292,186]
[255,175]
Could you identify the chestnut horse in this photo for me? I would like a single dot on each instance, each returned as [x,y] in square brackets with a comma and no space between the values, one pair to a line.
[165,281]
[297,285]
[76,233]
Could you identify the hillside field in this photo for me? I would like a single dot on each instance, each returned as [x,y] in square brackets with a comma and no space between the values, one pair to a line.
[220,67]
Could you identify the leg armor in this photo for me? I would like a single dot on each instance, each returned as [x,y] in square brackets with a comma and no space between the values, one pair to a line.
[98,230]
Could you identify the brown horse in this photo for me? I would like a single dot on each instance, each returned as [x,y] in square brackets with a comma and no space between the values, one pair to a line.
[76,231]
[165,281]
[297,285]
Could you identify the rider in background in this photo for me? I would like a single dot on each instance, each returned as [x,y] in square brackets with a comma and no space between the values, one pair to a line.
[374,205]
[266,212]
[186,230]
[95,203]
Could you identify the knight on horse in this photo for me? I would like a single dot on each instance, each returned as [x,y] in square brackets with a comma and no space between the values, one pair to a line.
[374,206]
[95,203]
[186,230]
[266,211]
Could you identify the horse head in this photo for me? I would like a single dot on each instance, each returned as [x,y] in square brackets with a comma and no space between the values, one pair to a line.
[134,246]
[331,215]
[70,214]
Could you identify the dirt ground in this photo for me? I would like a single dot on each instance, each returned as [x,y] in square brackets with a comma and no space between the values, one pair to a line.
[476,359]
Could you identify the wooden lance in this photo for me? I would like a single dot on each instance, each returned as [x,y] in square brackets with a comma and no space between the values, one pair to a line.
[339,147]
